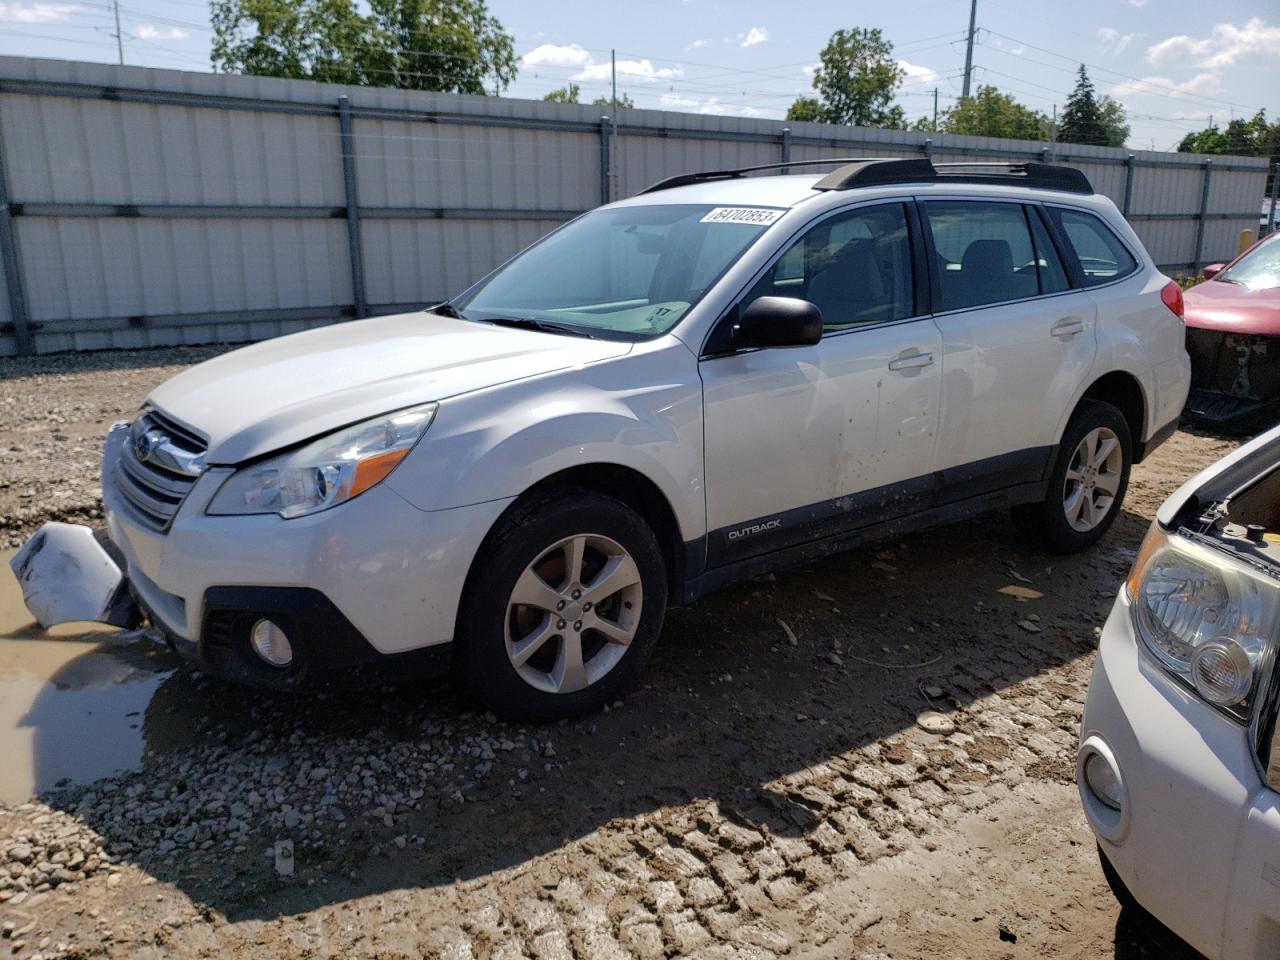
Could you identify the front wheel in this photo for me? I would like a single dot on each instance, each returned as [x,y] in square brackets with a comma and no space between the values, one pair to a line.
[1088,482]
[563,607]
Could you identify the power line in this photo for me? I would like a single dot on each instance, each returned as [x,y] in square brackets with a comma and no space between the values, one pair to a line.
[1124,76]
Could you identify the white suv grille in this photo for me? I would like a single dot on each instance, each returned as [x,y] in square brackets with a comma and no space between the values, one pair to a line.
[157,468]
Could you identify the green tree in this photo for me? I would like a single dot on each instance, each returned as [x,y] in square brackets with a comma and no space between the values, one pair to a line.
[565,94]
[1088,118]
[806,108]
[450,45]
[856,81]
[623,101]
[447,45]
[990,113]
[1115,122]
[1254,137]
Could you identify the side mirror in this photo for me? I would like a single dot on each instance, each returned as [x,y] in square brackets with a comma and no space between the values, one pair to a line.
[1212,270]
[778,322]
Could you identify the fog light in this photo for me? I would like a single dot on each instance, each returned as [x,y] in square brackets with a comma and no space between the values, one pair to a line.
[1102,780]
[1222,672]
[270,643]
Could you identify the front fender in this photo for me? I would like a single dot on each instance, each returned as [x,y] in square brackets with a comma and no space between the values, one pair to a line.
[642,411]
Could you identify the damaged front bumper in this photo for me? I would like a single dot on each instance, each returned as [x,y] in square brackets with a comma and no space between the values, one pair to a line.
[70,573]
[1235,378]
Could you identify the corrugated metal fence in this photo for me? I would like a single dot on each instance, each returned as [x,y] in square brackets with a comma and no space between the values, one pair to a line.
[145,207]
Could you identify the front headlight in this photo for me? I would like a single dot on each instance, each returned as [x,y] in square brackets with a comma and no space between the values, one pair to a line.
[327,471]
[1208,618]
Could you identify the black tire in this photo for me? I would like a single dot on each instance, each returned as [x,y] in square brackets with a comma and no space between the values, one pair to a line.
[1046,522]
[520,539]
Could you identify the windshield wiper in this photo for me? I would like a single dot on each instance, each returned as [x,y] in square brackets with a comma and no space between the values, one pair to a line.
[545,326]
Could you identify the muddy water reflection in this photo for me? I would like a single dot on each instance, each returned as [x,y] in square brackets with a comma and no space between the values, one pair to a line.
[72,699]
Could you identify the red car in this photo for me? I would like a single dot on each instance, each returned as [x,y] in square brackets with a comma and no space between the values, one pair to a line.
[1233,336]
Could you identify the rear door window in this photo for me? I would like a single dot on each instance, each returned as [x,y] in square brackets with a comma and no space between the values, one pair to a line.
[984,252]
[1103,257]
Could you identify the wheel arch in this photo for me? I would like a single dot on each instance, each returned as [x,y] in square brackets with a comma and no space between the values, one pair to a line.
[632,488]
[1124,391]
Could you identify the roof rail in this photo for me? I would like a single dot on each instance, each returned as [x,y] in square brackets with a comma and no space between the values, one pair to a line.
[684,179]
[868,173]
[880,171]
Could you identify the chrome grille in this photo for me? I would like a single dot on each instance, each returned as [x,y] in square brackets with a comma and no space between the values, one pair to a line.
[157,468]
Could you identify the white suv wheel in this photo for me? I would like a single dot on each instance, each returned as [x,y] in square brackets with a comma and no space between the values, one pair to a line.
[1093,479]
[573,613]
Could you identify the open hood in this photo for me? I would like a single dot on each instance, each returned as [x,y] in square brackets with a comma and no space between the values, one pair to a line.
[1212,484]
[278,393]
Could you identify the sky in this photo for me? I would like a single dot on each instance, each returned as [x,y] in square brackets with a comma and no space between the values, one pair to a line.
[1173,64]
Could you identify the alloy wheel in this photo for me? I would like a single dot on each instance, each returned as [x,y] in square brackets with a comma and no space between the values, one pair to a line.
[1093,479]
[573,613]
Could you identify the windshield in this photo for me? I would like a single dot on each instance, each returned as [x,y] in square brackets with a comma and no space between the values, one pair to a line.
[1259,269]
[629,271]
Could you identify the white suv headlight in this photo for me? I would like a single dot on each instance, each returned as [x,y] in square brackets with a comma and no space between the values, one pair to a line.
[1208,618]
[327,471]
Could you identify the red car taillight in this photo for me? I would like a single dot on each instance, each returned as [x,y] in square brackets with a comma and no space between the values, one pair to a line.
[1171,295]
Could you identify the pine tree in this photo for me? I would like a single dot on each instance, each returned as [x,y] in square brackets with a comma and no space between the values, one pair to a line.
[1082,118]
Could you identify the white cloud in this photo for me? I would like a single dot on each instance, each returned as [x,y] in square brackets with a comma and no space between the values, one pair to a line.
[1137,3]
[918,75]
[574,57]
[753,37]
[556,55]
[642,70]
[712,105]
[698,45]
[149,31]
[1226,44]
[1115,41]
[1202,84]
[39,12]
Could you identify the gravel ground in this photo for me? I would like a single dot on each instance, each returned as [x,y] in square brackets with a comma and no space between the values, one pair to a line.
[770,789]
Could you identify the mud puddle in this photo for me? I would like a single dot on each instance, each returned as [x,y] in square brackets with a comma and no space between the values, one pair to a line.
[72,699]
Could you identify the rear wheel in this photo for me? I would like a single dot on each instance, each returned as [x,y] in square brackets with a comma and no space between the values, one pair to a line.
[563,607]
[1088,483]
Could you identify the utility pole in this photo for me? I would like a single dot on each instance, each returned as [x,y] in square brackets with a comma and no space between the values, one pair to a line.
[613,73]
[115,7]
[968,50]
[1053,134]
[935,109]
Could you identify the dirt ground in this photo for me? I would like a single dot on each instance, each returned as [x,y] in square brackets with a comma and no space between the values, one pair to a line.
[766,791]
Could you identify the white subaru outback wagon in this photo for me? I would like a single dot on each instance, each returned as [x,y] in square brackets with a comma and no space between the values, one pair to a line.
[722,375]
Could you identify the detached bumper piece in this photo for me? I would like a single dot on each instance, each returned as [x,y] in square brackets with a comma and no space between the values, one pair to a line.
[70,573]
[1235,378]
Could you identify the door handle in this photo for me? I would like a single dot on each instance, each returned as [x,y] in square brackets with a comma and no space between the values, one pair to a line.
[913,362]
[1067,327]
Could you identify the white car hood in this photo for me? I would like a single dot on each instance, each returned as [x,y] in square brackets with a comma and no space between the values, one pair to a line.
[1219,480]
[277,393]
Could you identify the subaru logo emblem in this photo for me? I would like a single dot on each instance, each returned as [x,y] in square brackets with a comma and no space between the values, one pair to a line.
[144,444]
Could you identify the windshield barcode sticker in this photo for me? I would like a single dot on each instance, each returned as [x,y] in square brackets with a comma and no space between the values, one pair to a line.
[751,215]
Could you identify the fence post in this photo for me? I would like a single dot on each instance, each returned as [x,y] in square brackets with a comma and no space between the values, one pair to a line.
[1128,183]
[354,247]
[1275,198]
[11,266]
[1204,209]
[928,148]
[606,161]
[786,148]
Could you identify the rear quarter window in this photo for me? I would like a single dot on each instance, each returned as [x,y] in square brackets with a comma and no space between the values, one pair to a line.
[1101,254]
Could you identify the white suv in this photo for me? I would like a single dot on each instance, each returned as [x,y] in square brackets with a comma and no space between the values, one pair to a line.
[722,375]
